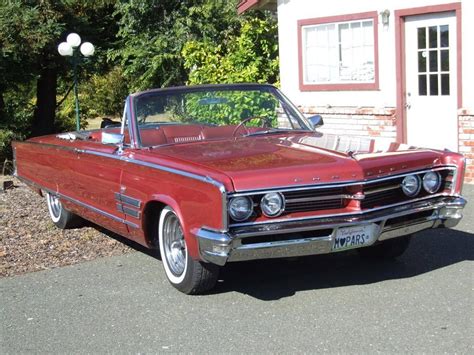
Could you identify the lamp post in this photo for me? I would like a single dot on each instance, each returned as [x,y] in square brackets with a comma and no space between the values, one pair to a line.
[67,49]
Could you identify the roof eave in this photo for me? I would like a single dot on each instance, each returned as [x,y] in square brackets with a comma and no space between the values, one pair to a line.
[246,5]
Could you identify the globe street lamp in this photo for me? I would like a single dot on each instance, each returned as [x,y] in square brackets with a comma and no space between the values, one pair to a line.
[67,49]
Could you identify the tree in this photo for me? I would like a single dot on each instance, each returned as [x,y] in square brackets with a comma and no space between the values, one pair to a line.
[153,33]
[30,32]
[25,33]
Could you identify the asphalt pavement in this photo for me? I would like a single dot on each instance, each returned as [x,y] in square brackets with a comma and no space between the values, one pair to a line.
[421,303]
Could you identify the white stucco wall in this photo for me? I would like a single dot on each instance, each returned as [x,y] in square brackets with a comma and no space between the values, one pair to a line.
[290,11]
[468,53]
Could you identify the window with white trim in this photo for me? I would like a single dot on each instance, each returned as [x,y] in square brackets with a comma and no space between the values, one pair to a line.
[339,53]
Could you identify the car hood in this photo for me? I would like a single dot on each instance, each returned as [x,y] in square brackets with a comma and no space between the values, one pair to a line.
[298,159]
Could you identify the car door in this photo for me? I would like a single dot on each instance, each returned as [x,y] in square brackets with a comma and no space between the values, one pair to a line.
[96,179]
[91,178]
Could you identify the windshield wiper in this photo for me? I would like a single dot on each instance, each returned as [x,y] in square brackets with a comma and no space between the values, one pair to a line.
[274,131]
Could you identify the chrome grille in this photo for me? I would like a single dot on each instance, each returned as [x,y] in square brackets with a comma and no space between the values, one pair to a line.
[379,194]
[314,200]
[310,199]
[383,193]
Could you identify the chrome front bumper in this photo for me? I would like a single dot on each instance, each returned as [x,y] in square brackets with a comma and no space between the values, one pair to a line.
[220,248]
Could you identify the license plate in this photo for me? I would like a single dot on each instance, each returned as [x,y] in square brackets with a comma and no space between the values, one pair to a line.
[355,236]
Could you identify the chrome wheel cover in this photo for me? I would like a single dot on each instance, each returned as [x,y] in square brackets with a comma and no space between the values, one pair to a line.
[55,206]
[174,244]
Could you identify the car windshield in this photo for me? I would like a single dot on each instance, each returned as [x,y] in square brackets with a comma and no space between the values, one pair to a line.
[184,115]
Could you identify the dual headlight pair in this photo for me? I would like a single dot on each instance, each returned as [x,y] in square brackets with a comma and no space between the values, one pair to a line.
[271,204]
[411,184]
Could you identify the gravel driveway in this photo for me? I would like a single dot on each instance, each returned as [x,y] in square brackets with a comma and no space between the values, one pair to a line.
[422,303]
[29,241]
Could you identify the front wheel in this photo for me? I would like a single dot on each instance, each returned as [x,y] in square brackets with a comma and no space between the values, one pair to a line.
[388,249]
[183,272]
[60,216]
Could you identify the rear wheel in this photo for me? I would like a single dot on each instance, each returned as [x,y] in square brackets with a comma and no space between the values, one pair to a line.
[183,272]
[388,249]
[60,216]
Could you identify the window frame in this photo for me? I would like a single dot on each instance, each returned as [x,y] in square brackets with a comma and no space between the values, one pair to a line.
[372,15]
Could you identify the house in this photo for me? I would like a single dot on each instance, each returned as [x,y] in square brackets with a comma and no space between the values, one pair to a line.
[396,70]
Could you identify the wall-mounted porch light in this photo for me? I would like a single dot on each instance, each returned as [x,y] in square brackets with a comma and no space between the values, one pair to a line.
[385,14]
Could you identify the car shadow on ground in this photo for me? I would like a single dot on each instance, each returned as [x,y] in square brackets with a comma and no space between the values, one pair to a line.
[278,278]
[274,279]
[155,253]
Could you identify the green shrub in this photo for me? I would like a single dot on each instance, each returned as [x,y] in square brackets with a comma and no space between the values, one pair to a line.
[248,56]
[104,95]
[15,120]
[6,138]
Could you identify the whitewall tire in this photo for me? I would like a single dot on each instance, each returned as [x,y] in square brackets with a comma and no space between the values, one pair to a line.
[60,216]
[183,272]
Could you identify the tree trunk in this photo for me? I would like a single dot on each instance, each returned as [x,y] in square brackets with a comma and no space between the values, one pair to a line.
[45,110]
[2,107]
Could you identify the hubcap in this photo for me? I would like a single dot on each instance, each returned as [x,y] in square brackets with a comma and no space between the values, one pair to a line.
[55,205]
[174,244]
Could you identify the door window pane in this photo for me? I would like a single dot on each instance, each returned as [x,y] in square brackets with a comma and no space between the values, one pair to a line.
[422,62]
[444,84]
[433,36]
[445,60]
[422,85]
[422,38]
[433,84]
[444,36]
[433,61]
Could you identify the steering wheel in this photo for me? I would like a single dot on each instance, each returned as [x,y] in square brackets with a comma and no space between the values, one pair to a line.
[265,123]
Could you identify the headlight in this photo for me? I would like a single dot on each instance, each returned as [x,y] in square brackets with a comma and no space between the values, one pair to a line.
[411,185]
[272,204]
[240,208]
[431,182]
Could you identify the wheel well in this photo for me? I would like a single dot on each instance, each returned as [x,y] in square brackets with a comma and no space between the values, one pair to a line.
[151,218]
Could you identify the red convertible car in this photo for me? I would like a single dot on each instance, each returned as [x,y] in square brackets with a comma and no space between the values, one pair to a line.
[221,173]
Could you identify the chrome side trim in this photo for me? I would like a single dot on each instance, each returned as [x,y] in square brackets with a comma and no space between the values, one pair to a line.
[82,204]
[128,200]
[131,212]
[291,188]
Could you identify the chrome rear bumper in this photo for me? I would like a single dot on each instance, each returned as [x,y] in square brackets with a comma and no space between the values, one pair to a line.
[235,245]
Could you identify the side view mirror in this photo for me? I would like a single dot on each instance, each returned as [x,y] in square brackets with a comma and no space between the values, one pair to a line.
[112,138]
[316,121]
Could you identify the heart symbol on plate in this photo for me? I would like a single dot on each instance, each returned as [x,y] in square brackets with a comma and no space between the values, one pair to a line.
[342,241]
